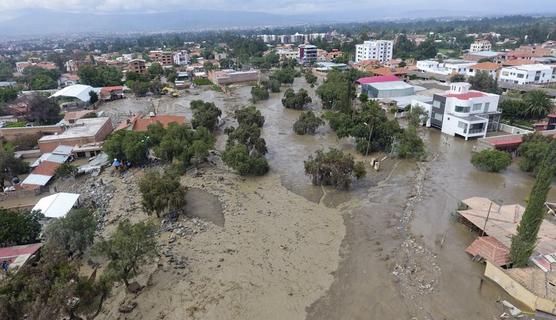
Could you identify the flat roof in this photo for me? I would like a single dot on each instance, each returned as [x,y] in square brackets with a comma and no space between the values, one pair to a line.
[377,79]
[36,180]
[81,128]
[392,85]
[56,205]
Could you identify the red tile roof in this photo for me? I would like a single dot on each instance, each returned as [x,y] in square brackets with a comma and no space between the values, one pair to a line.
[142,124]
[11,253]
[490,249]
[466,95]
[486,66]
[46,168]
[108,90]
[377,79]
[506,141]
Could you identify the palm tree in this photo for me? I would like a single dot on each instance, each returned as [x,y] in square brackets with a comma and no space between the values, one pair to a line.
[537,103]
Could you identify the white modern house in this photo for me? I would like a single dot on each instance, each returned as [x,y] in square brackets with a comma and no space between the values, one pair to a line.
[480,45]
[307,53]
[463,112]
[446,67]
[527,74]
[380,50]
[181,58]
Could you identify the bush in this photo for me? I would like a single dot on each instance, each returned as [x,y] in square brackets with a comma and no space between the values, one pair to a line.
[307,123]
[66,170]
[292,100]
[491,160]
[333,168]
[259,93]
[409,144]
[202,81]
[19,227]
[205,114]
[532,151]
[238,158]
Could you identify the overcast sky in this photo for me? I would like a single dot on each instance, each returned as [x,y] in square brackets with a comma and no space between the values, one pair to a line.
[285,6]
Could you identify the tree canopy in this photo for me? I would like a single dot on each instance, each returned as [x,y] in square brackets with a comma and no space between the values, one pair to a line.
[73,233]
[162,193]
[333,168]
[127,145]
[19,227]
[42,110]
[491,160]
[205,114]
[99,76]
[483,81]
[293,100]
[307,123]
[259,93]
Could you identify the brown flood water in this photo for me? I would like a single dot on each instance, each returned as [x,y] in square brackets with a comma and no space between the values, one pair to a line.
[364,286]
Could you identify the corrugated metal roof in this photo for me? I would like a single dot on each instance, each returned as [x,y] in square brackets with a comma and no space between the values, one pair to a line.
[78,91]
[36,179]
[63,150]
[56,205]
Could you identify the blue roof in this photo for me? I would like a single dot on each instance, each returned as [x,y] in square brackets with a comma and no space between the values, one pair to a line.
[486,53]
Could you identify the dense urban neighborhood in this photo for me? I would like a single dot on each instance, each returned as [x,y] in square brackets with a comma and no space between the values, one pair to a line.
[377,170]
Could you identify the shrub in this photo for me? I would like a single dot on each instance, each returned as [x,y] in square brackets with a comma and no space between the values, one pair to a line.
[307,123]
[333,168]
[202,81]
[491,160]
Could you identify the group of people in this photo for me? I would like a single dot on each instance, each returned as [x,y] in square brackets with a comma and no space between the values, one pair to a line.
[121,165]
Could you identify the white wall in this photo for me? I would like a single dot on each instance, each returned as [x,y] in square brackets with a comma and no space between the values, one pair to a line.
[526,75]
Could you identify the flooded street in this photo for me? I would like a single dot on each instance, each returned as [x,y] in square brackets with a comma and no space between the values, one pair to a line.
[402,256]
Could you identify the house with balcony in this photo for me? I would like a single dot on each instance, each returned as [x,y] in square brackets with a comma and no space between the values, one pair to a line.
[463,112]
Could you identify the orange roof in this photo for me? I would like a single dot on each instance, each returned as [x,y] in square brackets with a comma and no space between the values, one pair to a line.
[384,71]
[108,90]
[46,168]
[486,66]
[517,62]
[490,249]
[75,115]
[142,124]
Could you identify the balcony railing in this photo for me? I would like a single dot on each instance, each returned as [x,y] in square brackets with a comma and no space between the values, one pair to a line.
[479,130]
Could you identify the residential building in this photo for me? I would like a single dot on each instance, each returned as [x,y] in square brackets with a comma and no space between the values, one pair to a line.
[527,74]
[17,256]
[490,67]
[83,131]
[165,58]
[68,79]
[497,57]
[137,66]
[181,58]
[44,168]
[329,66]
[307,53]
[21,65]
[77,95]
[139,123]
[463,112]
[231,76]
[380,50]
[480,45]
[287,53]
[446,67]
[111,93]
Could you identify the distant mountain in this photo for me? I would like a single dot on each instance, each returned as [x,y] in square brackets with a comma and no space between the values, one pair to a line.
[40,22]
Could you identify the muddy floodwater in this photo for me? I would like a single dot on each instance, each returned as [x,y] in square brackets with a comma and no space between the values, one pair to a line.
[205,206]
[402,256]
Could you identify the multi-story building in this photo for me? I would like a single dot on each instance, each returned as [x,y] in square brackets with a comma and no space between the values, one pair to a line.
[463,112]
[527,74]
[165,58]
[286,54]
[480,45]
[137,66]
[446,67]
[222,77]
[181,58]
[380,50]
[307,53]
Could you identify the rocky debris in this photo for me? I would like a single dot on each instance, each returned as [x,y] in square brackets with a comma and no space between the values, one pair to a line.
[134,287]
[182,228]
[128,307]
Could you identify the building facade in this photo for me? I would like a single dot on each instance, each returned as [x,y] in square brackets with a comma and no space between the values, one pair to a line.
[463,112]
[137,66]
[527,74]
[480,45]
[380,50]
[181,58]
[307,53]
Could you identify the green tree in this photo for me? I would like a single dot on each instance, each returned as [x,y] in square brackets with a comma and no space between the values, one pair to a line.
[8,94]
[272,84]
[307,123]
[537,104]
[184,146]
[155,70]
[457,77]
[162,193]
[259,93]
[99,76]
[311,78]
[41,79]
[512,109]
[491,160]
[238,158]
[337,91]
[73,233]
[285,75]
[6,71]
[409,144]
[130,247]
[532,151]
[363,97]
[93,97]
[127,145]
[10,166]
[66,170]
[523,243]
[416,116]
[42,110]
[293,100]
[249,115]
[483,81]
[333,168]
[19,227]
[205,114]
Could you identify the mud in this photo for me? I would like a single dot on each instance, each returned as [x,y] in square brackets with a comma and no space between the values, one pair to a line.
[402,256]
[204,205]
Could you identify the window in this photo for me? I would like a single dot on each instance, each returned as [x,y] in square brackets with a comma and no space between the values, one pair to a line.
[477,106]
[487,106]
[437,116]
[520,76]
[462,109]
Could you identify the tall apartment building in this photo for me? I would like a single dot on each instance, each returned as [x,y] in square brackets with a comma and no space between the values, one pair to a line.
[137,65]
[480,45]
[181,58]
[380,50]
[165,58]
[307,53]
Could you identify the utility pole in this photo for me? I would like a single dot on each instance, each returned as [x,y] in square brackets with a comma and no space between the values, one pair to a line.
[486,220]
